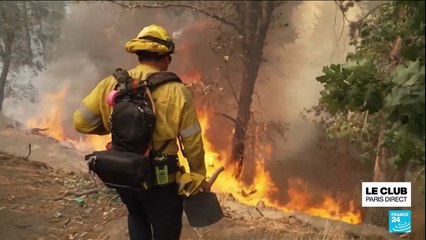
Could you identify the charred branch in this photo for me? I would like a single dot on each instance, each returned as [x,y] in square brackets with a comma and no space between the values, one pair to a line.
[246,194]
[226,116]
[237,122]
[37,131]
[261,214]
[29,152]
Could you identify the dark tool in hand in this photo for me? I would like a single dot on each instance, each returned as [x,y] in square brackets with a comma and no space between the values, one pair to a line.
[203,208]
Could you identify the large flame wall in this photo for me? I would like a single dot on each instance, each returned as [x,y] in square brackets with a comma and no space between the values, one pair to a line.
[261,189]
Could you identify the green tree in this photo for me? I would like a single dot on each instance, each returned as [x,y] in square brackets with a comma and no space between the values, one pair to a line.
[376,99]
[26,29]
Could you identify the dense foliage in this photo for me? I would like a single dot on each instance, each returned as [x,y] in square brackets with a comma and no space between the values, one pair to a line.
[377,98]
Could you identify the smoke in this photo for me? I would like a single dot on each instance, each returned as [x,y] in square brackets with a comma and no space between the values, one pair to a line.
[290,86]
[91,48]
[292,68]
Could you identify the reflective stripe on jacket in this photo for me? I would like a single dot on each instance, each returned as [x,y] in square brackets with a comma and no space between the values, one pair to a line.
[175,115]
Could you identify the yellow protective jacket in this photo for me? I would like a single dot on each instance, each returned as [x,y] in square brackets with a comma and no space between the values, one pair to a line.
[175,115]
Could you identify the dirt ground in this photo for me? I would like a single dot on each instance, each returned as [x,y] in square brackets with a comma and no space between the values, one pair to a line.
[50,195]
[39,202]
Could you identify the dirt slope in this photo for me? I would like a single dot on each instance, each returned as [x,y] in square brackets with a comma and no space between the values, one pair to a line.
[39,202]
[50,195]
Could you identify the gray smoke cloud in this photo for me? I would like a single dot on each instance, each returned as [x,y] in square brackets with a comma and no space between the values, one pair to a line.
[92,46]
[291,86]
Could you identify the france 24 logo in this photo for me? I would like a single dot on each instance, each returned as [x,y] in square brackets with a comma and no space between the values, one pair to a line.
[400,221]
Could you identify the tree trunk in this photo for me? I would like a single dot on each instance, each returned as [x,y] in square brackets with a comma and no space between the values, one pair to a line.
[6,59]
[378,216]
[383,172]
[27,35]
[3,76]
[253,42]
[243,115]
[400,172]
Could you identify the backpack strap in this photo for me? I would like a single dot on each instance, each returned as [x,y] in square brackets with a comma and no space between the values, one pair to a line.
[152,82]
[163,147]
[124,81]
[156,79]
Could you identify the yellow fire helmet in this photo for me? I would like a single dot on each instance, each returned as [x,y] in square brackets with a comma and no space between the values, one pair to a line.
[152,38]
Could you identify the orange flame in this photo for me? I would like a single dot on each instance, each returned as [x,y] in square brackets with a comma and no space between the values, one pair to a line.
[53,111]
[51,119]
[191,77]
[262,188]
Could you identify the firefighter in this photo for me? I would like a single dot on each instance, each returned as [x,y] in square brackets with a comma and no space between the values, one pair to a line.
[156,214]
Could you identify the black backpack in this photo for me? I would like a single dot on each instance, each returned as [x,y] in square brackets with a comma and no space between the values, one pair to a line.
[132,121]
[132,124]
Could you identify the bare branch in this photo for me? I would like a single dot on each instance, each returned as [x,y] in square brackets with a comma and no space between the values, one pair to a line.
[180,5]
[119,16]
[371,11]
[342,9]
[226,116]
[258,99]
[236,121]
[229,83]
